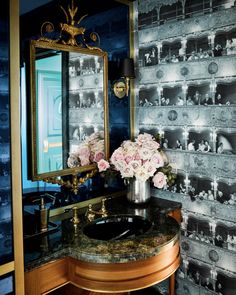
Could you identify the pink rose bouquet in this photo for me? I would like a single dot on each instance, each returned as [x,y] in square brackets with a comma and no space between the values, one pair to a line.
[90,151]
[141,159]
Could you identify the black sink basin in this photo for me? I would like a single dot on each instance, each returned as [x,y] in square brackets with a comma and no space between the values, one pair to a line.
[117,227]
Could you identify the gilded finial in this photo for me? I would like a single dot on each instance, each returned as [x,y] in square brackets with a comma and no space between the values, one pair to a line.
[72,12]
[70,27]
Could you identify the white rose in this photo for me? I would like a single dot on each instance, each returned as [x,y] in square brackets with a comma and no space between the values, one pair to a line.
[141,174]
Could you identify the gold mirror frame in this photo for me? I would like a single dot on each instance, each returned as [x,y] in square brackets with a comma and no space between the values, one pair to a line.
[54,176]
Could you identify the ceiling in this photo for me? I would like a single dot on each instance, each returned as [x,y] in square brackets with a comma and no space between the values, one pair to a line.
[28,5]
[36,12]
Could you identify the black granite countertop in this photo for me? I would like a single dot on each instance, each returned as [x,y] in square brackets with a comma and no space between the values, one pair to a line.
[69,240]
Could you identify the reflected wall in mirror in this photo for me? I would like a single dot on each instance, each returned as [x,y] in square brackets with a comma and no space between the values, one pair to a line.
[69,109]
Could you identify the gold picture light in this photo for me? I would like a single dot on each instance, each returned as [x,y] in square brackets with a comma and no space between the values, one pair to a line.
[121,87]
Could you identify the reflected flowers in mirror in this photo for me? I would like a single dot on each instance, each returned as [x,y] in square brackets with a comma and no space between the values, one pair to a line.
[142,159]
[90,151]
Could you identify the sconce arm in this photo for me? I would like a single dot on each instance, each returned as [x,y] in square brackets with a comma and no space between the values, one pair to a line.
[127,79]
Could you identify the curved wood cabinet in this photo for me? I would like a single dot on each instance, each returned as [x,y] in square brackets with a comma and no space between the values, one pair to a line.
[105,277]
[114,278]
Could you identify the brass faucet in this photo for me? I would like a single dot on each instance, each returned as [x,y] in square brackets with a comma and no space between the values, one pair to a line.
[91,214]
[75,218]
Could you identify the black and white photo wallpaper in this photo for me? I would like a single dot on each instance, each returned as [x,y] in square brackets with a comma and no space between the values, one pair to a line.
[186,94]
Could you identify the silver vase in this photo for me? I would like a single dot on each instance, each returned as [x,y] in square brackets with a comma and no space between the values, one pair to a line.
[138,191]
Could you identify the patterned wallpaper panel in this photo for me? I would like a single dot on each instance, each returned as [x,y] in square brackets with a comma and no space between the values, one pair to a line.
[186,93]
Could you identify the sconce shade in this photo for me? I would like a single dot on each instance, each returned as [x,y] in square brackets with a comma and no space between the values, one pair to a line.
[127,67]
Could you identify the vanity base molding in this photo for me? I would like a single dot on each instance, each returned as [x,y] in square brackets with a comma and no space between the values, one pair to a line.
[104,277]
[120,277]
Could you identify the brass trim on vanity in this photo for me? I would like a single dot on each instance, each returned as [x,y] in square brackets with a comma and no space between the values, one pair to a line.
[16,146]
[7,267]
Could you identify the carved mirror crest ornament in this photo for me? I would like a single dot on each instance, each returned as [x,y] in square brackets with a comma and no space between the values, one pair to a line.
[68,104]
[70,33]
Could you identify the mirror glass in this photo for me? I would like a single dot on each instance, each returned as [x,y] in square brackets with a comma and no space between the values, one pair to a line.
[69,128]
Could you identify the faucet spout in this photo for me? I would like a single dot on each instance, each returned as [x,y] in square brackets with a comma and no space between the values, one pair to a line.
[91,214]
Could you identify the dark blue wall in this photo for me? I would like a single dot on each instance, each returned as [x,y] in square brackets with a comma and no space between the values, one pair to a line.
[113,28]
[6,252]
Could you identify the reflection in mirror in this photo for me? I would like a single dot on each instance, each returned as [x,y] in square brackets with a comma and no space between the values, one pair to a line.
[68,109]
[49,105]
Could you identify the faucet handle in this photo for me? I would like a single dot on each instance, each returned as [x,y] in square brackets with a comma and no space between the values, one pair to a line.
[75,218]
[103,208]
[90,214]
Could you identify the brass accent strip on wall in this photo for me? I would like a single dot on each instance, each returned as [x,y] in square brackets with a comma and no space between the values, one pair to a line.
[15,146]
[6,268]
[132,55]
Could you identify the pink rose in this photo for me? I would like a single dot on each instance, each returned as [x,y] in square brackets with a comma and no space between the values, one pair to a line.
[103,165]
[84,151]
[135,165]
[141,174]
[150,168]
[159,180]
[152,145]
[128,159]
[145,153]
[157,160]
[117,156]
[127,172]
[143,138]
[98,156]
[120,166]
[84,161]
[137,156]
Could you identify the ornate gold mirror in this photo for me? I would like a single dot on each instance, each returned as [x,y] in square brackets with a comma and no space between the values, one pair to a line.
[68,105]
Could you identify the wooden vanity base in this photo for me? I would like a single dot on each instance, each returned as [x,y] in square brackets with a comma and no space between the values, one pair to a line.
[105,277]
[125,276]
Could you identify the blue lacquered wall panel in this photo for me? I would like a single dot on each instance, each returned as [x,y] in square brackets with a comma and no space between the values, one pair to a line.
[6,253]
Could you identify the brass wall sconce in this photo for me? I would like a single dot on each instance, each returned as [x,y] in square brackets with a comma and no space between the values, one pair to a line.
[121,87]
